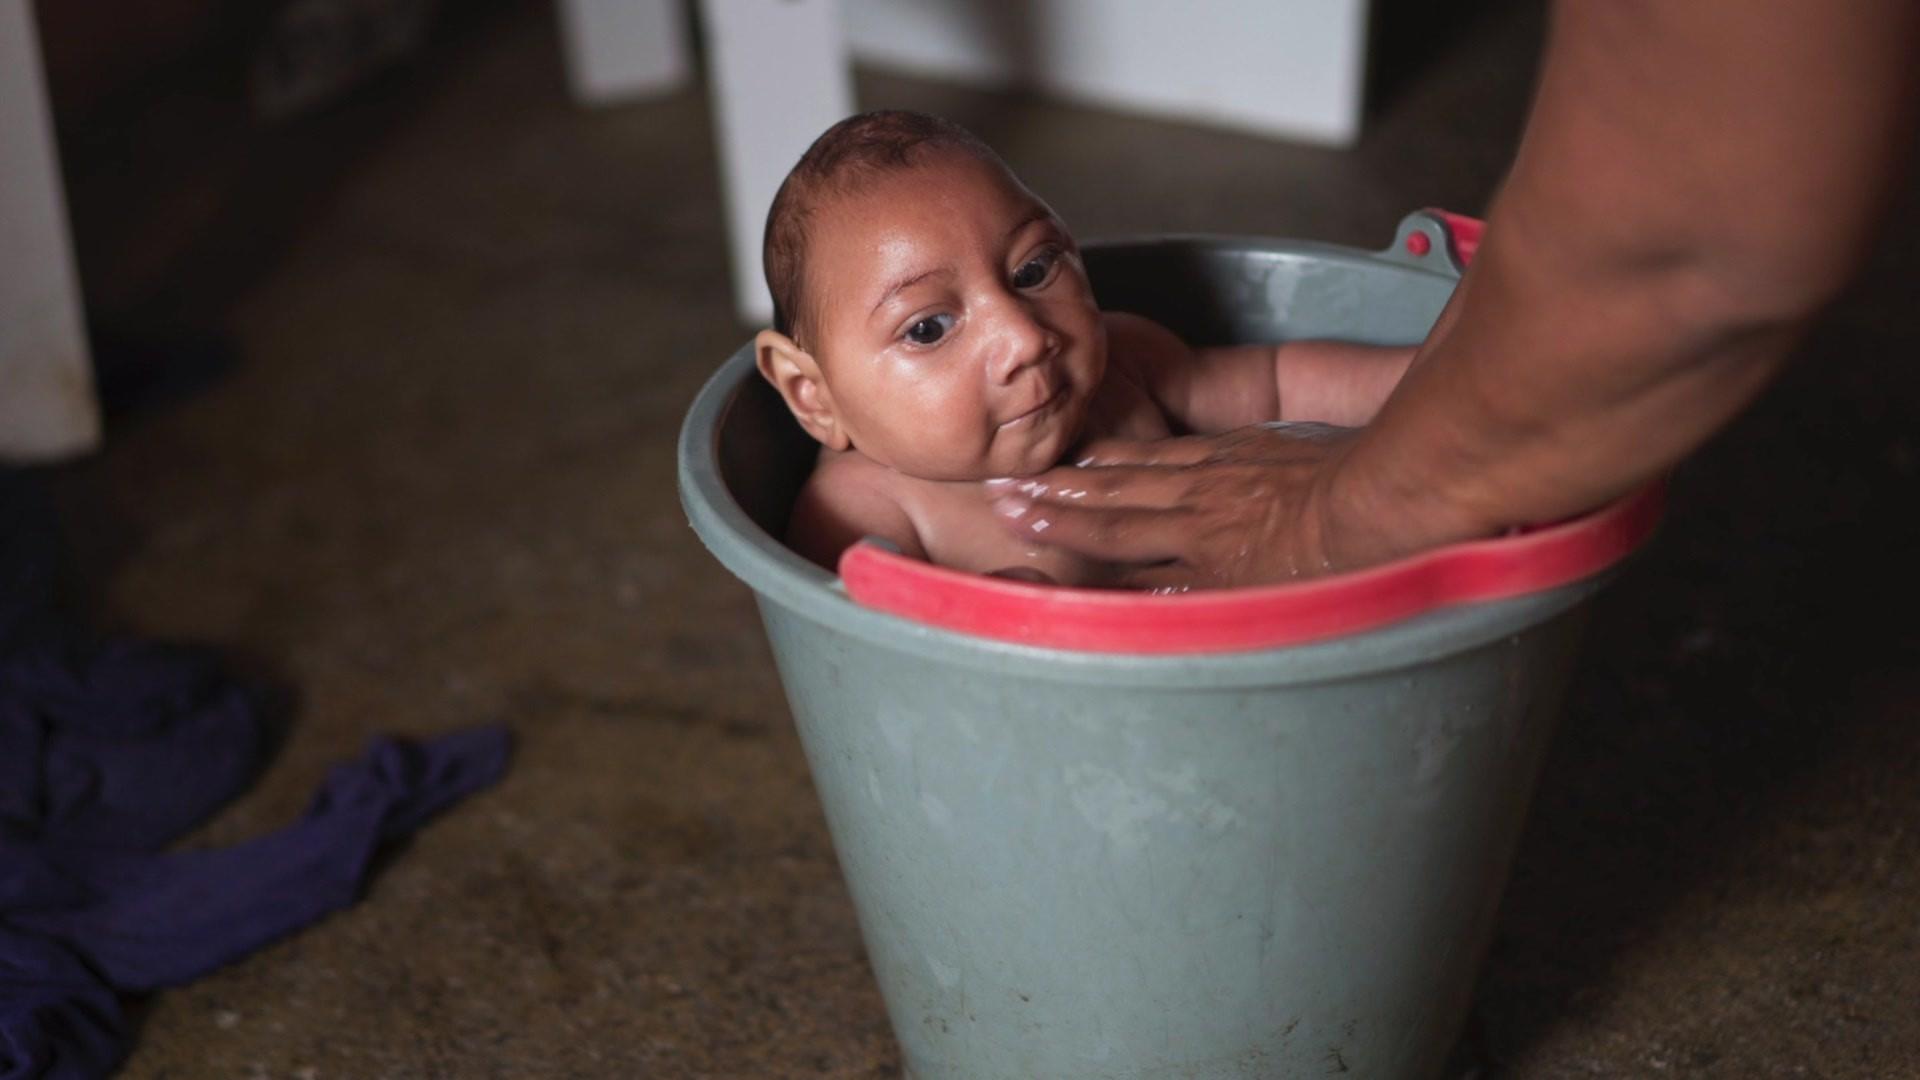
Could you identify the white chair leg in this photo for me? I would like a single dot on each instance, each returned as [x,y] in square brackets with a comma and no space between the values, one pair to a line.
[779,76]
[47,406]
[618,50]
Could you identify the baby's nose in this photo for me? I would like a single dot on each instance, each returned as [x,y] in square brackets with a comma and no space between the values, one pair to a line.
[1024,340]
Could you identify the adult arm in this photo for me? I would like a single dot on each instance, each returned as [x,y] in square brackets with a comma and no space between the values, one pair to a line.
[1696,181]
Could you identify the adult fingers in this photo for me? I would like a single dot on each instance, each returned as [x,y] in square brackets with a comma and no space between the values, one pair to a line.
[1185,450]
[1139,487]
[1128,535]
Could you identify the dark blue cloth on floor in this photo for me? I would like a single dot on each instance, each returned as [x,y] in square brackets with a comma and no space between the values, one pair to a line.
[109,752]
[119,744]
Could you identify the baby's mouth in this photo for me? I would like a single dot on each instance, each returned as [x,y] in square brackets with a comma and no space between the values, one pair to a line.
[1034,413]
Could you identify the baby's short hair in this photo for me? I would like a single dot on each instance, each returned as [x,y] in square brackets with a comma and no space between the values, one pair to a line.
[856,149]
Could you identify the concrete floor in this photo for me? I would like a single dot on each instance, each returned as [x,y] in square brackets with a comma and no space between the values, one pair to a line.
[436,488]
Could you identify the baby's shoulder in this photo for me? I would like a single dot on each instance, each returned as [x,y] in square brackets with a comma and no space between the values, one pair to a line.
[849,474]
[1127,405]
[1140,347]
[849,496]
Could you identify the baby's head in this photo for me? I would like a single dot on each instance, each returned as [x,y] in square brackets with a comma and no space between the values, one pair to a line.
[930,311]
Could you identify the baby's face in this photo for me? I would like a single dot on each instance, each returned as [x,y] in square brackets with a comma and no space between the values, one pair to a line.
[957,334]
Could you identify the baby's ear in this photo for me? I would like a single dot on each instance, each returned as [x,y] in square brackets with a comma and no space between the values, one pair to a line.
[794,372]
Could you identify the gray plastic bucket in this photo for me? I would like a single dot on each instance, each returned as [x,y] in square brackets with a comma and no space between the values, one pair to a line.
[1068,864]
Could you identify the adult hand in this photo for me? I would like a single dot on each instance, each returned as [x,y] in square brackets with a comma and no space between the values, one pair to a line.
[1251,506]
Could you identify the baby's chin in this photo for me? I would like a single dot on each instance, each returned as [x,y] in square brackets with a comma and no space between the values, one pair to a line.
[1048,452]
[1064,436]
[1026,465]
[981,475]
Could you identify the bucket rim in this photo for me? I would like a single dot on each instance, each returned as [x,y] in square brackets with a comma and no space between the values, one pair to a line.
[1252,617]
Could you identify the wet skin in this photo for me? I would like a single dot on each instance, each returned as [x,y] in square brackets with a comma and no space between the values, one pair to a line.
[949,337]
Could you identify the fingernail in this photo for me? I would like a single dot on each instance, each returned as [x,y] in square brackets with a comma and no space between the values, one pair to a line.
[1040,525]
[1011,509]
[1033,488]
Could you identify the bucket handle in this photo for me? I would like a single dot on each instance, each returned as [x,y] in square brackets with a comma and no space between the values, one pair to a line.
[1436,239]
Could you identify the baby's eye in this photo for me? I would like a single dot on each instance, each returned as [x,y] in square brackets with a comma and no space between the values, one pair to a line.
[1035,271]
[930,329]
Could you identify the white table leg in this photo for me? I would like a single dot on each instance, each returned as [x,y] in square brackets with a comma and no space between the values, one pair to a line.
[779,76]
[47,407]
[617,50]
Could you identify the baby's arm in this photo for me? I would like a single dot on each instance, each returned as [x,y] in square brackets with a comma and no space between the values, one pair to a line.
[839,507]
[1220,388]
[1337,382]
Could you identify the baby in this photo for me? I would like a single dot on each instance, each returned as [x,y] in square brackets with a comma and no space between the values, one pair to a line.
[933,329]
